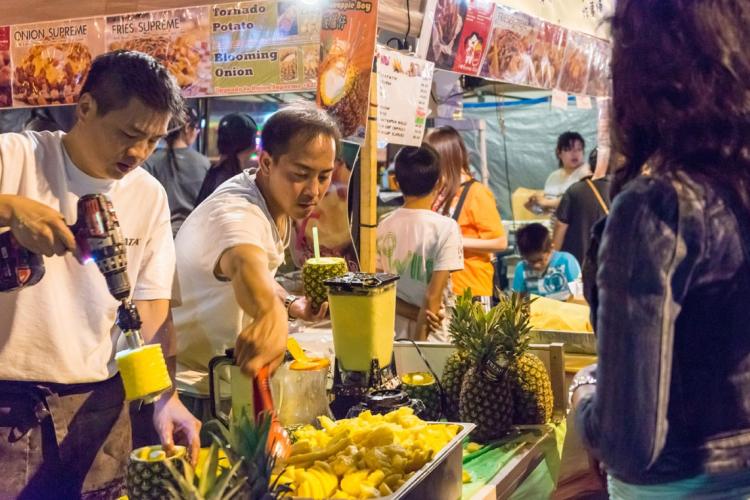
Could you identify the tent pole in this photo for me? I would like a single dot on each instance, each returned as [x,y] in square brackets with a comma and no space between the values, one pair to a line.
[368,184]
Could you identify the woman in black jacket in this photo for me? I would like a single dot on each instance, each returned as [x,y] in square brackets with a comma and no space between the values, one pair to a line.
[667,409]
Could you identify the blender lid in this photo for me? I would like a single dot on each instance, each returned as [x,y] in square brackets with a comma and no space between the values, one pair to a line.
[354,281]
[387,399]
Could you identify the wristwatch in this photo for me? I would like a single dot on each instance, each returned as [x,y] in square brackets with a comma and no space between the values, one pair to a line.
[288,301]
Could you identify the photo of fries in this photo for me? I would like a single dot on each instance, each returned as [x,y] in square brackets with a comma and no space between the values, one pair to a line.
[600,80]
[575,71]
[547,54]
[508,57]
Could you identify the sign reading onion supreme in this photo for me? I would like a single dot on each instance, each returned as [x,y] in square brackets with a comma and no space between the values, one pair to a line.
[264,46]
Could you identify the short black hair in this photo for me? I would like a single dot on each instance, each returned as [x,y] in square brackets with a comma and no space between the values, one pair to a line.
[593,158]
[417,169]
[236,133]
[118,76]
[568,139]
[301,121]
[533,238]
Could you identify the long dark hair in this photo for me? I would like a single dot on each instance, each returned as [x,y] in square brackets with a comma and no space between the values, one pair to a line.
[454,160]
[681,99]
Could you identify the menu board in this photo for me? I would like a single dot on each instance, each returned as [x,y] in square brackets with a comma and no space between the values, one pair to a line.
[51,60]
[177,38]
[404,84]
[264,46]
[6,98]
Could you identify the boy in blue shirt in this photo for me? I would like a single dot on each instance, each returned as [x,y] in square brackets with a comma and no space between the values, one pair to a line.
[543,271]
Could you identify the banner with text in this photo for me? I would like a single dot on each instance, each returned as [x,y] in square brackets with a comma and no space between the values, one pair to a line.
[404,84]
[51,60]
[177,38]
[347,47]
[265,46]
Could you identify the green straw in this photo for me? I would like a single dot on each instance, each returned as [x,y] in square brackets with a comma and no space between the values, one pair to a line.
[316,245]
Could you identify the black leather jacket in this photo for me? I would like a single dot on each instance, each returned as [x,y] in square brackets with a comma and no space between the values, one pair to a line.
[673,326]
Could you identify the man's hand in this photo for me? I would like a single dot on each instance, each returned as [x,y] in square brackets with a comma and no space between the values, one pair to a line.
[302,308]
[176,425]
[532,202]
[263,342]
[38,227]
[434,321]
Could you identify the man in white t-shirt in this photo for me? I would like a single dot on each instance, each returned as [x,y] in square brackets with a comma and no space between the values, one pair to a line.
[572,168]
[231,245]
[64,430]
[421,246]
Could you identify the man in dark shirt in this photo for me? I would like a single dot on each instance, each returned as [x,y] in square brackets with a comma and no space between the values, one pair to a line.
[179,168]
[582,205]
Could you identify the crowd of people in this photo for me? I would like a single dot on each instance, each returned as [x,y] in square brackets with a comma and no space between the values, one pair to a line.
[661,246]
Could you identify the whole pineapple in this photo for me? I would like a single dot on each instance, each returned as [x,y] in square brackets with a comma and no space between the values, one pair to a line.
[486,391]
[532,389]
[315,271]
[458,363]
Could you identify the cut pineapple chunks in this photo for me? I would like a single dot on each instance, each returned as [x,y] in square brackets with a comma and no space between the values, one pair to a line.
[365,457]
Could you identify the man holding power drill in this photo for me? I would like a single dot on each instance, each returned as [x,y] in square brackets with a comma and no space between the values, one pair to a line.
[64,427]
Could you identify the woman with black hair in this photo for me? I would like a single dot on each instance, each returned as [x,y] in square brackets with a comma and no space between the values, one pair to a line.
[235,141]
[180,168]
[667,409]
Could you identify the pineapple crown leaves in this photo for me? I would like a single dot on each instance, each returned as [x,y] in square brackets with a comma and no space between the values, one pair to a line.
[216,482]
[246,443]
[477,333]
[514,318]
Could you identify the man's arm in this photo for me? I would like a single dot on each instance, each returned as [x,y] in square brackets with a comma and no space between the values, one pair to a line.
[263,342]
[36,226]
[171,418]
[301,308]
[433,301]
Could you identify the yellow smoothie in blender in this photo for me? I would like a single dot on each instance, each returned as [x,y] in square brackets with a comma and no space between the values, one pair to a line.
[363,316]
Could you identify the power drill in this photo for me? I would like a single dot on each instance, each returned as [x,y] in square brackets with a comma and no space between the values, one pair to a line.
[98,238]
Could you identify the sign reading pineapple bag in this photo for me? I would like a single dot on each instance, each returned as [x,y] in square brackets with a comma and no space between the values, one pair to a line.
[347,46]
[264,46]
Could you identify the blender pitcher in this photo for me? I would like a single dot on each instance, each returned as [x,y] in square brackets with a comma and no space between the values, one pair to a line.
[303,397]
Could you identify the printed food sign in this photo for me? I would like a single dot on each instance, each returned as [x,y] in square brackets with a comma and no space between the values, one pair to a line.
[52,60]
[177,38]
[6,98]
[264,46]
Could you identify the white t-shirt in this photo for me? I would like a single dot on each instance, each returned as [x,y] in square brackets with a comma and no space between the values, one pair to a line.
[559,181]
[62,329]
[209,319]
[413,243]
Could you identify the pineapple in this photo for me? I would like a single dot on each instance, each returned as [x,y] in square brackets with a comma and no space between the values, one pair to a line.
[214,483]
[423,386]
[458,362]
[315,272]
[486,391]
[147,473]
[453,376]
[246,443]
[532,389]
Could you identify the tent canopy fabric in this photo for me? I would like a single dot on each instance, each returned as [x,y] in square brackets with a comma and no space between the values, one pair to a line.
[527,144]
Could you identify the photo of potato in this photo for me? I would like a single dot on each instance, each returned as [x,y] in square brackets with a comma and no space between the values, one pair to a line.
[288,65]
[51,74]
[511,43]
[600,79]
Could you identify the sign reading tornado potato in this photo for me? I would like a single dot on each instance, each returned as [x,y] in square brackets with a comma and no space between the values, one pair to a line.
[264,46]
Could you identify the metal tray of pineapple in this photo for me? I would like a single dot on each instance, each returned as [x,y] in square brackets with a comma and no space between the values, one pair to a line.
[440,478]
